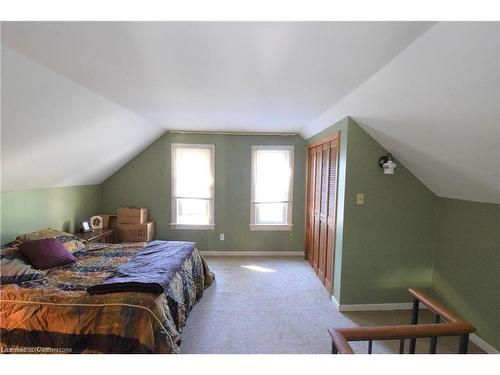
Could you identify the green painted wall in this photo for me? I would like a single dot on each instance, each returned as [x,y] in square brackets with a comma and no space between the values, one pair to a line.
[58,208]
[145,181]
[388,241]
[381,249]
[467,264]
[405,236]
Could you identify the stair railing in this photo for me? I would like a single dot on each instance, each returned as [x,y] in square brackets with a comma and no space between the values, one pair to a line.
[445,324]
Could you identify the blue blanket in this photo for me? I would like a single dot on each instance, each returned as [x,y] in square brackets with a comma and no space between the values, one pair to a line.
[149,271]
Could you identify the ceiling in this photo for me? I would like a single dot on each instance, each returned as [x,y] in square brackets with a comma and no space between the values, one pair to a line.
[57,133]
[427,92]
[436,107]
[239,76]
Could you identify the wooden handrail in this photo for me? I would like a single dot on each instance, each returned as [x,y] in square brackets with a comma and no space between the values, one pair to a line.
[339,342]
[455,326]
[403,331]
[435,306]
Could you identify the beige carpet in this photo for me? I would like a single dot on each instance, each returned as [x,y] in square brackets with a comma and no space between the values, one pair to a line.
[277,305]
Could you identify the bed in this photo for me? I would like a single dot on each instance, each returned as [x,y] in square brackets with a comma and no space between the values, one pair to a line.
[56,314]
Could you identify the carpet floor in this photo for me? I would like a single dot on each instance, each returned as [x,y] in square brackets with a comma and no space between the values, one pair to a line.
[278,305]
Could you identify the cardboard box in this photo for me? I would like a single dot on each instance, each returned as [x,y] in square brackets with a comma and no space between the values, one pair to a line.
[132,215]
[113,221]
[105,220]
[136,232]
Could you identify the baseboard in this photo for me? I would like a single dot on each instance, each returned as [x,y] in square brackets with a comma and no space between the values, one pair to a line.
[335,303]
[254,253]
[483,344]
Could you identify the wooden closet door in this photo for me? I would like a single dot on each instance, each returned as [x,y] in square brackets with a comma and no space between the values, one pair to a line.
[322,208]
[331,214]
[317,204]
[311,178]
[325,162]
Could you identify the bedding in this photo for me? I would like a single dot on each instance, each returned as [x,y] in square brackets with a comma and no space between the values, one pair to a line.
[14,267]
[57,315]
[71,242]
[149,271]
[46,253]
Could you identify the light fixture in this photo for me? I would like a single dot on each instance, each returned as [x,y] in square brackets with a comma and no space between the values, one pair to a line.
[387,164]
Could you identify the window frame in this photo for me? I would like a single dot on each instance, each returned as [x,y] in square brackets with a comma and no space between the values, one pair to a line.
[272,227]
[173,192]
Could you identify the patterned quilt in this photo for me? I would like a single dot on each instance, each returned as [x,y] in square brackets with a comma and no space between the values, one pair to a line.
[57,315]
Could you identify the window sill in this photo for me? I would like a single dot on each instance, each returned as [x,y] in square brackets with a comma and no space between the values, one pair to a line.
[192,226]
[282,227]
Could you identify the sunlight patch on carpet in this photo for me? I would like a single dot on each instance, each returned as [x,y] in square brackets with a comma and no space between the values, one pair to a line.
[254,267]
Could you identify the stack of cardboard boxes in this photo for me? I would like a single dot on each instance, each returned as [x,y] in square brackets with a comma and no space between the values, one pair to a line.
[133,225]
[109,221]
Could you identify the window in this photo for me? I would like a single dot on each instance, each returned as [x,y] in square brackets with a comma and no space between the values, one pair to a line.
[192,186]
[272,177]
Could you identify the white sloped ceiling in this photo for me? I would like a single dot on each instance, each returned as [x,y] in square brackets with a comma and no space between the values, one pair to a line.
[436,107]
[57,133]
[240,76]
[80,99]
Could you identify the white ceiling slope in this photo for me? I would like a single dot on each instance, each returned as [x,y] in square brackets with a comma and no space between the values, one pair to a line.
[57,133]
[240,76]
[436,107]
[80,98]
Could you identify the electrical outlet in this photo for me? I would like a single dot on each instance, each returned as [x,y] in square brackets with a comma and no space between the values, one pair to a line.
[222,236]
[360,198]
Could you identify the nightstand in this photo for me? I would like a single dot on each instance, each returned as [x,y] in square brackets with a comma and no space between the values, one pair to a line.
[105,235]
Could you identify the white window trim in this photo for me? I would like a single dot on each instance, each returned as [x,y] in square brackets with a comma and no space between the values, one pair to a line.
[193,226]
[211,218]
[277,227]
[273,227]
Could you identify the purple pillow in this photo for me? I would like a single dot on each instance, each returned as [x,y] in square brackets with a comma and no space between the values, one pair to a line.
[46,253]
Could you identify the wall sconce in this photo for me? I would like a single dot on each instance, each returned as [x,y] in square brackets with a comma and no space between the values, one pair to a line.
[387,164]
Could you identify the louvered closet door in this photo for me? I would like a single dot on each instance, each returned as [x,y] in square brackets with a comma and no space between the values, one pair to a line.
[331,214]
[317,204]
[325,162]
[310,204]
[322,208]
